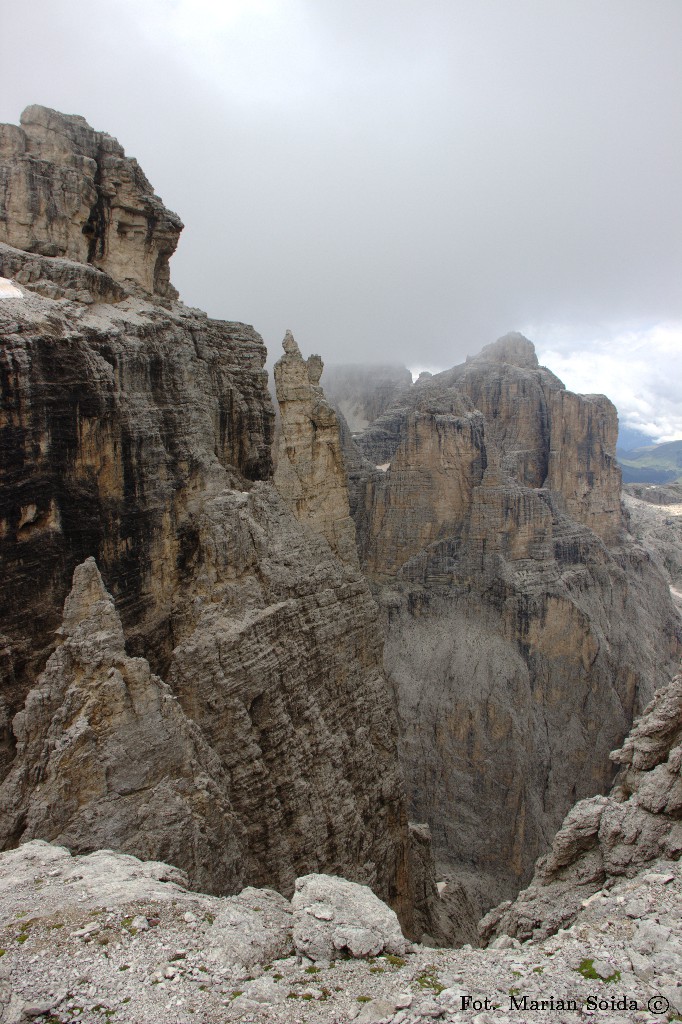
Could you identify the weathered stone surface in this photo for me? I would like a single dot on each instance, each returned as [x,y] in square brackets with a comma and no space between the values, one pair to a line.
[69,191]
[115,419]
[248,928]
[58,278]
[655,518]
[281,668]
[105,756]
[426,493]
[139,432]
[101,935]
[333,916]
[444,913]
[525,628]
[507,385]
[278,660]
[582,461]
[310,472]
[607,837]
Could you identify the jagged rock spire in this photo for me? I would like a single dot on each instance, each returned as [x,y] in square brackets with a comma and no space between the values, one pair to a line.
[311,474]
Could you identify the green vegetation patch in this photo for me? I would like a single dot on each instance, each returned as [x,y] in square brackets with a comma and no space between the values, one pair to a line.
[587,970]
[428,979]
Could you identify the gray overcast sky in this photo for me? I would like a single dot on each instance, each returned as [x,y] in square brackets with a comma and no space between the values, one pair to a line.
[401,180]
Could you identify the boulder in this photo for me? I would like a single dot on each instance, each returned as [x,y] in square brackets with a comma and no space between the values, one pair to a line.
[333,917]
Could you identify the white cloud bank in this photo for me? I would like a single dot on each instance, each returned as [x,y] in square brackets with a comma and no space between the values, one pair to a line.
[639,370]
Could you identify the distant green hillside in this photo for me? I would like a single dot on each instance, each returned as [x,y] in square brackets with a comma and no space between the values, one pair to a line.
[655,464]
[629,438]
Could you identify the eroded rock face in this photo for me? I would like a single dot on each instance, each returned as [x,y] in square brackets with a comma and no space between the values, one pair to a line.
[281,668]
[69,191]
[139,432]
[655,518]
[582,461]
[106,757]
[608,836]
[525,628]
[311,474]
[136,434]
[116,419]
[427,492]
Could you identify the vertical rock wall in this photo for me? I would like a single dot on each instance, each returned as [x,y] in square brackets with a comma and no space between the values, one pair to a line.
[66,190]
[525,628]
[138,432]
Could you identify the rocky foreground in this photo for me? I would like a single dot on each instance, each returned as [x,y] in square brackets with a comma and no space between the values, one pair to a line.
[597,935]
[107,937]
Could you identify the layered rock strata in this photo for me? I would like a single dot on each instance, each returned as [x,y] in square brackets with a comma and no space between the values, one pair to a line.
[106,757]
[611,836]
[310,474]
[117,417]
[138,431]
[525,627]
[655,518]
[69,191]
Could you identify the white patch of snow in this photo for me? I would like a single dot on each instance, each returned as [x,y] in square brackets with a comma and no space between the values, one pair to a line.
[384,467]
[9,290]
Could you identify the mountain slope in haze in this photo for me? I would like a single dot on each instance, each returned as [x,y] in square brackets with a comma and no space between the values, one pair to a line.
[655,464]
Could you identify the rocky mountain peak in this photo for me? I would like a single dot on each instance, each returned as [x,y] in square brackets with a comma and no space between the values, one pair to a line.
[511,348]
[70,191]
[89,606]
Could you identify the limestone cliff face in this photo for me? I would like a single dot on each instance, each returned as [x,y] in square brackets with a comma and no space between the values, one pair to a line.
[427,491]
[137,431]
[115,418]
[281,669]
[608,836]
[106,758]
[655,518]
[69,191]
[582,461]
[310,474]
[525,628]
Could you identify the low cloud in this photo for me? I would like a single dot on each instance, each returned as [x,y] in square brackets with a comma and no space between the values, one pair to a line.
[638,369]
[400,181]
